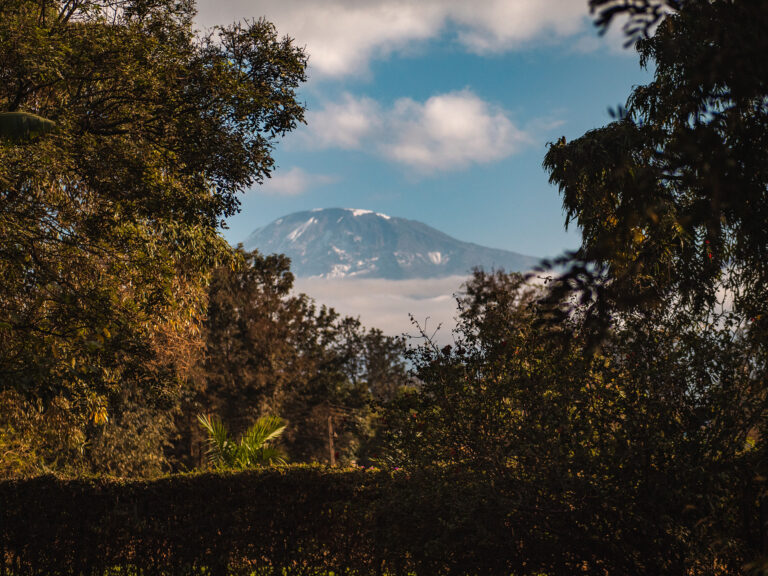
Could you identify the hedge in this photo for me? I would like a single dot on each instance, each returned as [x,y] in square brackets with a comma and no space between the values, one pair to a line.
[279,521]
[314,521]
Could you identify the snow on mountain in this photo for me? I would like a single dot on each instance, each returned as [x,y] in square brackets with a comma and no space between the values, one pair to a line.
[344,243]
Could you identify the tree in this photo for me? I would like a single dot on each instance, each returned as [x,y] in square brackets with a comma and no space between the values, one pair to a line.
[672,201]
[268,350]
[108,226]
[641,15]
[637,459]
[671,197]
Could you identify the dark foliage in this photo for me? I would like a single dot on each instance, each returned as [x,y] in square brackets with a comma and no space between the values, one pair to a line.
[651,447]
[672,202]
[269,351]
[672,196]
[289,521]
[314,521]
[641,15]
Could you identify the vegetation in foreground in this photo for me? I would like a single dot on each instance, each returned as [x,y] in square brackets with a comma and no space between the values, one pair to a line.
[613,422]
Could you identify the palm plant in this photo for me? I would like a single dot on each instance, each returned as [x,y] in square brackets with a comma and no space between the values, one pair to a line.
[20,126]
[252,451]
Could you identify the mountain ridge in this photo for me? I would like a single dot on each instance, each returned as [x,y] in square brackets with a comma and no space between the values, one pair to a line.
[346,242]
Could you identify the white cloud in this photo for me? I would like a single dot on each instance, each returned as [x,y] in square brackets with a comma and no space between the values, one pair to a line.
[500,25]
[343,124]
[386,304]
[342,36]
[447,132]
[450,132]
[293,182]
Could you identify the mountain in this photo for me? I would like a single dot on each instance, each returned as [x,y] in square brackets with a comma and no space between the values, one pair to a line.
[341,242]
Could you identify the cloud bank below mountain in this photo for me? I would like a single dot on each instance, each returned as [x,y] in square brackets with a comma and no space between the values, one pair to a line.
[386,304]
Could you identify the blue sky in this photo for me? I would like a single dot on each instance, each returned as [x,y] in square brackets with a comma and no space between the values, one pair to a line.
[437,110]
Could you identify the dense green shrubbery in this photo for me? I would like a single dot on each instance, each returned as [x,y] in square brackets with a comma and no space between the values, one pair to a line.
[644,457]
[296,520]
[312,520]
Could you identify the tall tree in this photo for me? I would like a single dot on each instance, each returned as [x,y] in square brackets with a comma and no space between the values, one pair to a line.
[672,197]
[269,351]
[108,225]
[638,459]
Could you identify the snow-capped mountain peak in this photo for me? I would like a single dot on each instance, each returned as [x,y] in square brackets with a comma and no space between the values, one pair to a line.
[347,242]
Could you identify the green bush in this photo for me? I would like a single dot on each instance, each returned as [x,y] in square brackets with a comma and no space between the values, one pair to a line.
[294,520]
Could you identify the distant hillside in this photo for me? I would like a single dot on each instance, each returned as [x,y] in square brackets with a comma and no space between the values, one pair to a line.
[341,242]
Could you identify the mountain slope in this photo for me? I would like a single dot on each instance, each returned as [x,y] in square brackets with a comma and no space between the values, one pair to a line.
[340,242]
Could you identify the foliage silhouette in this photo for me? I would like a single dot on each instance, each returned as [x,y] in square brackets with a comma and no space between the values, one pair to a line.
[671,196]
[640,448]
[672,202]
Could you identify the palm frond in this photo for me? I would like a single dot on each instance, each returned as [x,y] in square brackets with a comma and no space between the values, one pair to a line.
[254,443]
[222,451]
[271,456]
[252,450]
[264,430]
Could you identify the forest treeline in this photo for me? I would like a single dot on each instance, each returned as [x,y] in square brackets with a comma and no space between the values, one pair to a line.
[124,312]
[259,351]
[611,421]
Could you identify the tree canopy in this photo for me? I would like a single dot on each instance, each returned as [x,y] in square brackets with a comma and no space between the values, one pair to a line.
[672,202]
[641,458]
[270,351]
[672,197]
[108,225]
[646,454]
